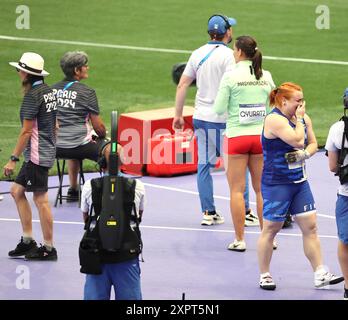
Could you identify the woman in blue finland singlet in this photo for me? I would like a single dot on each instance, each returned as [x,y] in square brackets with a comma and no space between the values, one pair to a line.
[276,168]
[287,141]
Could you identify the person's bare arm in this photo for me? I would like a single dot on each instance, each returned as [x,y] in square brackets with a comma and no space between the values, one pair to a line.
[181,91]
[278,127]
[333,158]
[98,125]
[309,150]
[312,146]
[22,142]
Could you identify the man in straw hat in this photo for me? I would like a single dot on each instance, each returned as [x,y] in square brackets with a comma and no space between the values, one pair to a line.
[36,141]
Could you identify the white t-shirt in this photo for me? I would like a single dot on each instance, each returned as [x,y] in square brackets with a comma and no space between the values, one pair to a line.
[334,144]
[86,196]
[208,77]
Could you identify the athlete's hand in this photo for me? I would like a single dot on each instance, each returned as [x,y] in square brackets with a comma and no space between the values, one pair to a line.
[296,156]
[178,123]
[301,110]
[9,168]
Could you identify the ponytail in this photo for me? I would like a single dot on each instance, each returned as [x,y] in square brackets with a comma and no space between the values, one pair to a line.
[272,97]
[257,63]
[249,47]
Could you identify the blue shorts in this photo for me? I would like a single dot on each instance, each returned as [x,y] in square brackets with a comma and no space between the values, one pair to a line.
[280,199]
[342,218]
[123,276]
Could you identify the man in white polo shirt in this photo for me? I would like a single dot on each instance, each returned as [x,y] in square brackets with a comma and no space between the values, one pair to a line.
[207,65]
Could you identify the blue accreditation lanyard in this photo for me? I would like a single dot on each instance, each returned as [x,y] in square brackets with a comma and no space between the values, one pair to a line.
[68,85]
[217,44]
[36,83]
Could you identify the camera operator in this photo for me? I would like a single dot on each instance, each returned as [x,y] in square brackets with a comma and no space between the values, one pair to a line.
[119,269]
[337,150]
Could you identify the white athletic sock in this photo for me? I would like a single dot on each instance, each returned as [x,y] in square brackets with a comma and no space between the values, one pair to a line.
[320,270]
[27,237]
[262,275]
[48,245]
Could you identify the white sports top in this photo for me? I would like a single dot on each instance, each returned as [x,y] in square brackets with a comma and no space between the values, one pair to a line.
[208,76]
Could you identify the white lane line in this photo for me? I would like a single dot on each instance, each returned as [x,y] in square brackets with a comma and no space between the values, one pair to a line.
[177,228]
[230,231]
[124,47]
[10,125]
[345,63]
[38,221]
[215,196]
[93,44]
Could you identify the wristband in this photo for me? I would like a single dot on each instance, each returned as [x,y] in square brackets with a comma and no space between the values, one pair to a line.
[14,158]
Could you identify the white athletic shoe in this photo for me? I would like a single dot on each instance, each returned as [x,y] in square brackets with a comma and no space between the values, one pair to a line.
[1,197]
[251,220]
[325,279]
[237,245]
[210,219]
[266,281]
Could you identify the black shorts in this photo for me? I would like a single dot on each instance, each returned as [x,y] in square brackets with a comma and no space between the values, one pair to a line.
[89,150]
[33,177]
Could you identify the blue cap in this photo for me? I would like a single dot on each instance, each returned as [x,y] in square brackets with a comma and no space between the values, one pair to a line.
[345,94]
[345,98]
[219,24]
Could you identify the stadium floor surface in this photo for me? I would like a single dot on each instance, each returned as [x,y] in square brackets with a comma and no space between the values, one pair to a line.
[181,256]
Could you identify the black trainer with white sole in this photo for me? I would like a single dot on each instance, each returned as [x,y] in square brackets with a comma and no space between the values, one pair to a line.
[42,254]
[23,248]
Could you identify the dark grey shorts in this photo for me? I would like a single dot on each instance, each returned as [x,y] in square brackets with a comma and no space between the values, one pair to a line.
[89,150]
[33,177]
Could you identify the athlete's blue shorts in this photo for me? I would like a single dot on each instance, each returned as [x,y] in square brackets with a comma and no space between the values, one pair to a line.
[280,199]
[342,218]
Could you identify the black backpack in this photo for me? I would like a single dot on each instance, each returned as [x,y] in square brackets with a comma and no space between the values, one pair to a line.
[342,171]
[112,229]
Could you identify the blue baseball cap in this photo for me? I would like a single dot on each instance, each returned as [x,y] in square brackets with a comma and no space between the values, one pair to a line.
[345,98]
[219,24]
[345,94]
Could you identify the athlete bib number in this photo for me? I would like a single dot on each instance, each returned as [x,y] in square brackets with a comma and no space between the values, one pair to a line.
[249,113]
[299,165]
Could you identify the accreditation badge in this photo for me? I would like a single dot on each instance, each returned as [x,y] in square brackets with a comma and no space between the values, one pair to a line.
[250,113]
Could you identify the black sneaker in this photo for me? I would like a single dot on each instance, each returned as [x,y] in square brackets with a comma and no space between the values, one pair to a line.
[72,195]
[288,221]
[23,248]
[345,297]
[42,254]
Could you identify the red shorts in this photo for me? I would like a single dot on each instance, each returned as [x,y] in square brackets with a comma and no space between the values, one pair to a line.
[243,145]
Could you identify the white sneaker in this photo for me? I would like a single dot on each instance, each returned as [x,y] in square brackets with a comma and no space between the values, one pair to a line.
[210,219]
[325,279]
[1,197]
[266,281]
[251,220]
[237,245]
